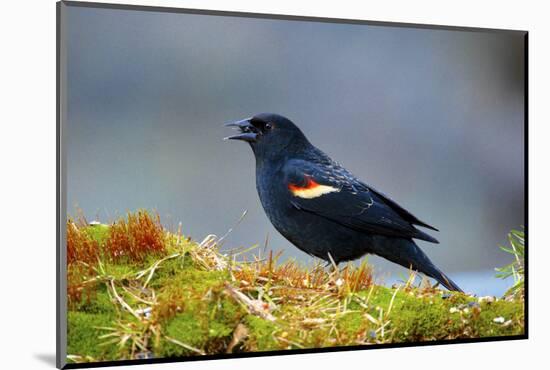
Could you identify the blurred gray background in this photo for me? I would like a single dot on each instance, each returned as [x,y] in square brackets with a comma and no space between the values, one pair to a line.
[433,118]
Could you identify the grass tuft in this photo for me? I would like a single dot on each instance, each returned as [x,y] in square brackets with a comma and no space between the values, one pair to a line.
[516,269]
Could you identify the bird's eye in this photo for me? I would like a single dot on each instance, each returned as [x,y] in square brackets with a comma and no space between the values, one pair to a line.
[268,126]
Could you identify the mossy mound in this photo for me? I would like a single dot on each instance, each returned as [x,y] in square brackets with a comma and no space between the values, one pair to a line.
[138,291]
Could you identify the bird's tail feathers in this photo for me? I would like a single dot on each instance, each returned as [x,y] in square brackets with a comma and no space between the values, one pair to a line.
[407,254]
[443,279]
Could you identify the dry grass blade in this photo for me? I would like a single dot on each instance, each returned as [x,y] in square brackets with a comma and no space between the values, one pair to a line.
[137,298]
[122,302]
[153,267]
[293,343]
[207,254]
[254,306]
[220,241]
[186,346]
[391,302]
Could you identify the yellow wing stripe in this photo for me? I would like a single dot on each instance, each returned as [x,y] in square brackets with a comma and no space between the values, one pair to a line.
[311,189]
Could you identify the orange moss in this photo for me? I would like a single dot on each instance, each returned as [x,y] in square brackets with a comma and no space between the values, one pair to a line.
[78,286]
[82,256]
[80,247]
[291,276]
[128,240]
[135,238]
[358,279]
[169,305]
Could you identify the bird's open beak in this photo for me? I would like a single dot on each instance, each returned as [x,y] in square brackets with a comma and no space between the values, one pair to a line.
[248,133]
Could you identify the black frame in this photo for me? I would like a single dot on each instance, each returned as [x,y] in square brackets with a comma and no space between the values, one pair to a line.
[61,299]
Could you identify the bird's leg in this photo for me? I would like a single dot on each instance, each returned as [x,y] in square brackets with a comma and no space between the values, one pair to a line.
[333,266]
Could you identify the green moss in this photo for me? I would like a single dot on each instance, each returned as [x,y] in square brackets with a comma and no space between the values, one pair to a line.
[178,273]
[99,303]
[198,329]
[352,325]
[261,334]
[98,233]
[485,326]
[423,319]
[186,328]
[219,330]
[83,335]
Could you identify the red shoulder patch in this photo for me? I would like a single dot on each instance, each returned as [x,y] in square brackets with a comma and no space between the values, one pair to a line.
[311,189]
[310,184]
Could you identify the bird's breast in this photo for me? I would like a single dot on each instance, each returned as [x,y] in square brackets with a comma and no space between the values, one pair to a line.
[274,195]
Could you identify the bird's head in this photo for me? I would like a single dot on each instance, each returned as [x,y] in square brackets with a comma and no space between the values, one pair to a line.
[269,135]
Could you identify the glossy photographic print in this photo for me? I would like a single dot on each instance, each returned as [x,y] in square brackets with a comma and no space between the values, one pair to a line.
[234,185]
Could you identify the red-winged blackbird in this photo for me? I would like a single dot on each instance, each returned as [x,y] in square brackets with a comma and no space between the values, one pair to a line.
[323,209]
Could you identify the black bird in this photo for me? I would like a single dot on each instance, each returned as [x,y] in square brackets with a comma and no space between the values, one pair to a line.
[323,209]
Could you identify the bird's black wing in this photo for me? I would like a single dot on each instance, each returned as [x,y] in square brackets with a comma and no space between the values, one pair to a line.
[330,191]
[400,210]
